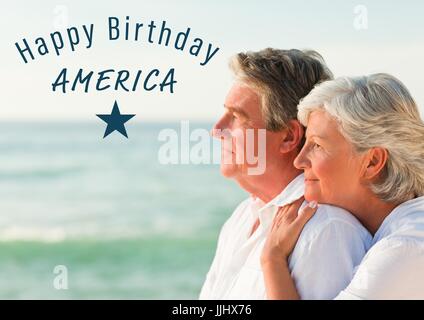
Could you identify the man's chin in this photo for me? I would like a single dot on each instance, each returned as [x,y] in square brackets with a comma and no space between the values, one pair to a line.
[228,171]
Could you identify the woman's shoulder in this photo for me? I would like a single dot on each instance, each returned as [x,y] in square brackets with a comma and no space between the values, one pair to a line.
[404,226]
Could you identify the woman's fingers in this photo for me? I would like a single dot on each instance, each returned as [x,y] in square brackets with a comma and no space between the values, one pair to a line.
[294,208]
[306,213]
[288,213]
[286,228]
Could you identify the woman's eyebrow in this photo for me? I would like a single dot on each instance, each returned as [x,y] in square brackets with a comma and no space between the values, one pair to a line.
[315,136]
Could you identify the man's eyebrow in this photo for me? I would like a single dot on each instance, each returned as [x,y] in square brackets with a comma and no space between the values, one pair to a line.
[237,110]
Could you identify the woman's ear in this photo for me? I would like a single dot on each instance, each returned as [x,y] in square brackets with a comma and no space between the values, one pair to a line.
[376,159]
[292,136]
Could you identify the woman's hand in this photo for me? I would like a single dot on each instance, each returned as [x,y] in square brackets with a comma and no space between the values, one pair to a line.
[285,231]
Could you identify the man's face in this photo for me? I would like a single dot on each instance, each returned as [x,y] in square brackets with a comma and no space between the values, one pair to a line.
[242,112]
[242,132]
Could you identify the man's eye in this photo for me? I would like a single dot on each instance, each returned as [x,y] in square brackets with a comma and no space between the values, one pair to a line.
[316,146]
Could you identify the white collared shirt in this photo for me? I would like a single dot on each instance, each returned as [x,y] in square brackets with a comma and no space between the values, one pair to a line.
[331,244]
[394,266]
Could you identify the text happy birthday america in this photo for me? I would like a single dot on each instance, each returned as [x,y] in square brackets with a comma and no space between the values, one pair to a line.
[78,38]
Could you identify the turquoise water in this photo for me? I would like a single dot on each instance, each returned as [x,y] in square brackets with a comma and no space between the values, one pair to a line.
[124,225]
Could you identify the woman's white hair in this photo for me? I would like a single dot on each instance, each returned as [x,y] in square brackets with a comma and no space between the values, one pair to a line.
[377,111]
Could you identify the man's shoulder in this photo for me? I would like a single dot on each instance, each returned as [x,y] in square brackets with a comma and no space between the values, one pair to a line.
[331,218]
[331,214]
[243,205]
[238,213]
[241,208]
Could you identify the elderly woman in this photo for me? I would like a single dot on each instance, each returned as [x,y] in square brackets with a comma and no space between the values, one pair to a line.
[364,152]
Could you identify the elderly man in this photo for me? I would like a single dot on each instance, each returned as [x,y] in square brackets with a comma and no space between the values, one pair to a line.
[268,87]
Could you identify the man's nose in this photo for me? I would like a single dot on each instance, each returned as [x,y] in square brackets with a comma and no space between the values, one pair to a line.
[220,127]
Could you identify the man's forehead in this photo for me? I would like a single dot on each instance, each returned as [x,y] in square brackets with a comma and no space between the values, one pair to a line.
[240,93]
[242,98]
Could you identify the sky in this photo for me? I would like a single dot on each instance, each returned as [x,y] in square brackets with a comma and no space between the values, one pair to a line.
[390,39]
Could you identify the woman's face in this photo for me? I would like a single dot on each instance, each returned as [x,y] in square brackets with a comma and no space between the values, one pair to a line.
[331,165]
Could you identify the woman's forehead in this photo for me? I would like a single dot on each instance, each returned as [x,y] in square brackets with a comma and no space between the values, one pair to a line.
[321,124]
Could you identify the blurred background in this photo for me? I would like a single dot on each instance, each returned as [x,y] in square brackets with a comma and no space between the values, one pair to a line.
[123,224]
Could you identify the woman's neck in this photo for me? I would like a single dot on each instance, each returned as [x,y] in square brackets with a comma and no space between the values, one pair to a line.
[371,212]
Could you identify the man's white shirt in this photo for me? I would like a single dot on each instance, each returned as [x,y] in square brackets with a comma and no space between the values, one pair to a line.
[394,266]
[322,264]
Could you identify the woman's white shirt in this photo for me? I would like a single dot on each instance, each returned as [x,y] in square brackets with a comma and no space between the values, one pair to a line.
[393,268]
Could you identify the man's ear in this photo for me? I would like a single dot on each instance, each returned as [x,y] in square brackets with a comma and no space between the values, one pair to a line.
[292,136]
[375,161]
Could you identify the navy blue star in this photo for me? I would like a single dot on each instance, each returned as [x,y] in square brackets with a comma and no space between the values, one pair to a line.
[115,121]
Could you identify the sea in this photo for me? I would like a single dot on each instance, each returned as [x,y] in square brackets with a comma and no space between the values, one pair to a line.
[87,217]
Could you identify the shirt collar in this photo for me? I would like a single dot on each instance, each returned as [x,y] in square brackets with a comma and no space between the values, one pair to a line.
[293,191]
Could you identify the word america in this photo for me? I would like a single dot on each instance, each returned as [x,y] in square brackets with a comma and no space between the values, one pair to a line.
[74,38]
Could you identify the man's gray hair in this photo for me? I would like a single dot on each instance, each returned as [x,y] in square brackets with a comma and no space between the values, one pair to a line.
[281,78]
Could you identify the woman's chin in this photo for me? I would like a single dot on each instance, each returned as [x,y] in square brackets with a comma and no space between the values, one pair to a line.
[312,196]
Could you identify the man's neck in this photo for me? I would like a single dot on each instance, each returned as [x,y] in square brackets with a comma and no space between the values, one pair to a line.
[270,184]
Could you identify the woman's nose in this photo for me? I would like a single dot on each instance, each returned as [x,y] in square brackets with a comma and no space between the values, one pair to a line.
[301,162]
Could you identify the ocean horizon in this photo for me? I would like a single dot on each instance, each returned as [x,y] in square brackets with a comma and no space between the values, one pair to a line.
[124,225]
